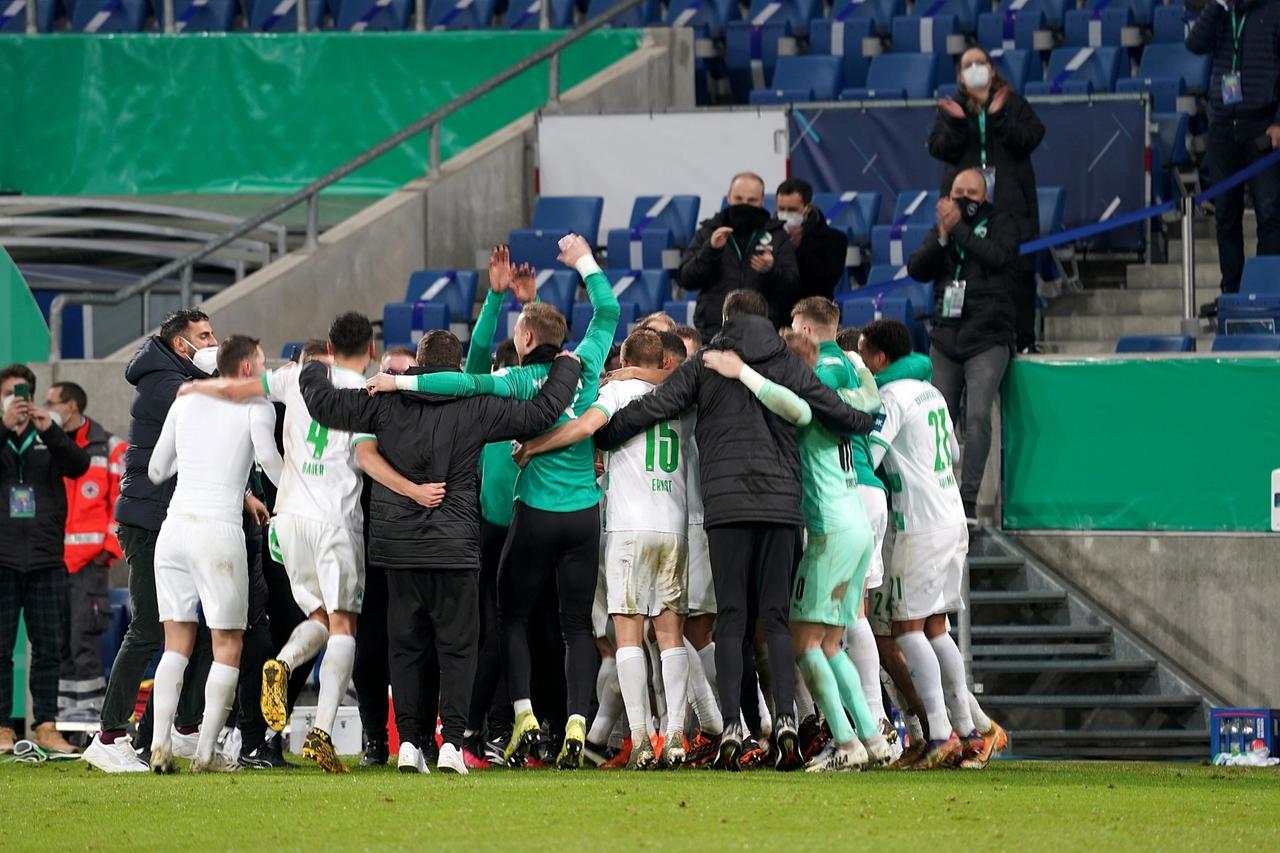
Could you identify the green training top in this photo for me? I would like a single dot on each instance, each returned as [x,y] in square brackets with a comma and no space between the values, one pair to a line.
[836,371]
[563,480]
[498,470]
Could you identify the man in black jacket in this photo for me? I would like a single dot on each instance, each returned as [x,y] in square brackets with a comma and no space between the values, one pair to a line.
[742,246]
[1243,37]
[185,349]
[35,456]
[432,556]
[750,472]
[821,251]
[970,258]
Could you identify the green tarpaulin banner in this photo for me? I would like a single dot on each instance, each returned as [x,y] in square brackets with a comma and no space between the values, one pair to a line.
[23,333]
[1181,444]
[241,112]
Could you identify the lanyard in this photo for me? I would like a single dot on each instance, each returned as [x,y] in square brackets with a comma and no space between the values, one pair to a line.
[733,241]
[1237,30]
[982,135]
[960,252]
[19,451]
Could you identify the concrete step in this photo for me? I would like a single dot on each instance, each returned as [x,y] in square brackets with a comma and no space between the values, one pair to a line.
[1102,700]
[1029,598]
[1156,276]
[995,564]
[1040,633]
[1100,301]
[1110,327]
[1070,667]
[1046,650]
[1110,743]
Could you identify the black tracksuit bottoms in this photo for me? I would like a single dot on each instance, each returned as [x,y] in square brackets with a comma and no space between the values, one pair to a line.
[542,545]
[751,569]
[432,611]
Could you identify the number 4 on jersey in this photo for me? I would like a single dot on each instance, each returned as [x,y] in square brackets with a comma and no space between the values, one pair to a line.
[318,438]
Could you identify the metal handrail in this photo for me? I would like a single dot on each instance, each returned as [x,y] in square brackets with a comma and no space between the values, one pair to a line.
[310,193]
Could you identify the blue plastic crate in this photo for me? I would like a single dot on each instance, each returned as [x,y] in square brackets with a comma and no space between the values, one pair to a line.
[1235,729]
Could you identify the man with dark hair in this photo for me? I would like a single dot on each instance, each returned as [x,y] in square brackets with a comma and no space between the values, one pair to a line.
[692,338]
[432,557]
[742,246]
[184,349]
[35,456]
[821,251]
[314,348]
[91,545]
[740,303]
[750,482]
[847,338]
[201,559]
[439,347]
[674,352]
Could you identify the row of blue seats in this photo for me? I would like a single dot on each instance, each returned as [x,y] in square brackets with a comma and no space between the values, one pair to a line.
[1186,343]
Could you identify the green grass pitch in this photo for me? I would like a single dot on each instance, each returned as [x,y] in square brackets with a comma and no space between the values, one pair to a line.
[1010,806]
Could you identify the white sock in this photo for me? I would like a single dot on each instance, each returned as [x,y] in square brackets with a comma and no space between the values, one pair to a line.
[914,729]
[926,675]
[165,688]
[981,721]
[766,718]
[609,697]
[860,646]
[306,641]
[633,679]
[522,706]
[335,675]
[804,699]
[655,680]
[219,692]
[702,694]
[954,684]
[707,656]
[675,681]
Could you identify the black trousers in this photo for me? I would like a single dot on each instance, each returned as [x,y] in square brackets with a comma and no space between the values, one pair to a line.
[751,570]
[1232,147]
[145,638]
[283,615]
[542,545]
[370,676]
[1023,273]
[40,595]
[81,683]
[435,609]
[489,698]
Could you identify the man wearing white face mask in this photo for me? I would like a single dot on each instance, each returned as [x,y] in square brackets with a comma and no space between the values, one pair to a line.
[821,250]
[184,349]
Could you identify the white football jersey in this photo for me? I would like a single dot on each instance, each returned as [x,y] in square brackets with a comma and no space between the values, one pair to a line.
[644,478]
[692,474]
[915,438]
[321,478]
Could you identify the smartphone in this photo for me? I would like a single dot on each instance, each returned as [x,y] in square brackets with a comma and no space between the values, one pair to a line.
[23,391]
[295,355]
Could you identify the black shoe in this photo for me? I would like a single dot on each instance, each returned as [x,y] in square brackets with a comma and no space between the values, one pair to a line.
[267,756]
[495,750]
[810,729]
[788,744]
[375,754]
[431,752]
[1209,310]
[1030,349]
[730,749]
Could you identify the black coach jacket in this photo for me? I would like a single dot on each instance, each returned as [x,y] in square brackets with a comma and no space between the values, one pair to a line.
[27,544]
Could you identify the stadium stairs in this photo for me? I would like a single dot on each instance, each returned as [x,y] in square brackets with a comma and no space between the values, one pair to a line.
[1145,299]
[1065,679]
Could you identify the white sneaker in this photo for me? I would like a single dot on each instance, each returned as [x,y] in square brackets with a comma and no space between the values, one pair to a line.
[231,744]
[217,763]
[117,757]
[852,756]
[878,751]
[410,760]
[184,746]
[450,760]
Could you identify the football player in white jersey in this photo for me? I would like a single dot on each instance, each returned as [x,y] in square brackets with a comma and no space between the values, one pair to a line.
[915,439]
[200,555]
[646,551]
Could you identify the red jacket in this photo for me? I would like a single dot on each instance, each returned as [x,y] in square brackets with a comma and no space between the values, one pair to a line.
[91,499]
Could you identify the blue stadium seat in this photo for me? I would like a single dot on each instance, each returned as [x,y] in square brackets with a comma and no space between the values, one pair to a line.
[915,207]
[964,11]
[558,288]
[657,223]
[751,54]
[1052,202]
[1018,67]
[286,351]
[844,39]
[1256,308]
[641,16]
[1156,343]
[1169,24]
[880,12]
[13,16]
[892,282]
[403,323]
[800,79]
[210,16]
[1081,71]
[857,311]
[797,12]
[372,15]
[882,274]
[708,19]
[1246,343]
[582,318]
[554,217]
[998,31]
[433,299]
[647,290]
[854,213]
[895,76]
[455,288]
[1103,28]
[1141,8]
[894,244]
[523,14]
[1168,71]
[680,311]
[1052,10]
[914,34]
[262,15]
[110,16]
[460,14]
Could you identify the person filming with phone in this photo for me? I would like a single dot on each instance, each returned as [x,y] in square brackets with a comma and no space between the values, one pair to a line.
[35,456]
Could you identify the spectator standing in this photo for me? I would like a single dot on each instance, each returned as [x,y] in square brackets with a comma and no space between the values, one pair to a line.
[1243,37]
[743,247]
[821,251]
[35,456]
[970,258]
[90,548]
[990,127]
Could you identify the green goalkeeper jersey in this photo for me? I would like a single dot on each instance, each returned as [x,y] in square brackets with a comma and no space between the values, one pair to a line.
[563,480]
[836,372]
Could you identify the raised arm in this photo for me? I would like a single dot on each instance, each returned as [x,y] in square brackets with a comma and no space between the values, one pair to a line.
[480,350]
[781,401]
[605,311]
[262,429]
[867,395]
[700,266]
[352,410]
[950,134]
[234,390]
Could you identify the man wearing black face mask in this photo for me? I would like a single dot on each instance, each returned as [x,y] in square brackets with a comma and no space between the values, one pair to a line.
[969,257]
[741,247]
